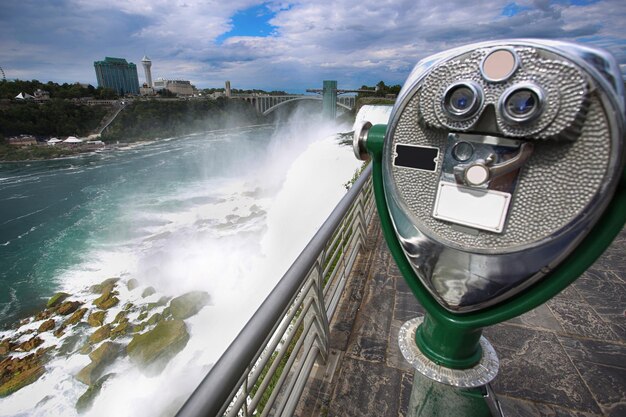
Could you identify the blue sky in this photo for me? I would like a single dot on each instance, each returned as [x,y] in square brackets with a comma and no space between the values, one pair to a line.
[286,45]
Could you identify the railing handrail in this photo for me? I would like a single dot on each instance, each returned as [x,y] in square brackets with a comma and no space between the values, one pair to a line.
[216,388]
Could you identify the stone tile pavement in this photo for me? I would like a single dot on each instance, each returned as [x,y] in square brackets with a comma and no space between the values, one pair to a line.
[564,358]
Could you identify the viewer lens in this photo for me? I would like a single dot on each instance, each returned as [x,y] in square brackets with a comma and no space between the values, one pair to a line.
[462,100]
[521,103]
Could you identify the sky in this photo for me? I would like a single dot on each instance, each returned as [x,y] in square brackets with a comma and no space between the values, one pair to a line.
[281,45]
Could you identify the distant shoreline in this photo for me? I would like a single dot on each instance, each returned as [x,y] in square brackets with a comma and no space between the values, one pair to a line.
[113,146]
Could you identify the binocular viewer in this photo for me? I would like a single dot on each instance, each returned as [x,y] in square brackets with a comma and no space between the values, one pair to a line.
[499,179]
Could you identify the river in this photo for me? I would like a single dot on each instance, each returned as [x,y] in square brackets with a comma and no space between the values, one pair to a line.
[224,212]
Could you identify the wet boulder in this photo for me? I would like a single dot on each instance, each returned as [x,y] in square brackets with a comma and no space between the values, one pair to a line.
[132,284]
[46,325]
[16,373]
[99,335]
[29,345]
[188,304]
[103,356]
[154,349]
[148,292]
[57,299]
[96,319]
[68,307]
[76,317]
[106,300]
[105,286]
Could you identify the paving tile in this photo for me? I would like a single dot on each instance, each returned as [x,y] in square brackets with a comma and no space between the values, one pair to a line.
[580,319]
[607,384]
[406,307]
[366,389]
[606,296]
[540,317]
[533,365]
[393,355]
[514,407]
[599,352]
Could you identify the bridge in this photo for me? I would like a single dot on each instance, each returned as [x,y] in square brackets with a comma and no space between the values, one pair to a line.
[329,95]
[266,103]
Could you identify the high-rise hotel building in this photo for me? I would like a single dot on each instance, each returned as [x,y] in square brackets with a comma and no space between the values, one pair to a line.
[118,74]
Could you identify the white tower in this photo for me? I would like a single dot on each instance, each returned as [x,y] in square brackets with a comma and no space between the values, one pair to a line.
[146,67]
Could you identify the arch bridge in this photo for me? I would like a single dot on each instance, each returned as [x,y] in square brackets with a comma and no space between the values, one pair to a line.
[266,104]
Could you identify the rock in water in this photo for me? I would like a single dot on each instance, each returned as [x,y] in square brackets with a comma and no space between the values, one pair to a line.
[132,284]
[57,299]
[68,307]
[100,359]
[188,304]
[100,334]
[30,344]
[16,373]
[148,292]
[154,349]
[46,325]
[96,319]
[86,400]
[76,317]
[105,286]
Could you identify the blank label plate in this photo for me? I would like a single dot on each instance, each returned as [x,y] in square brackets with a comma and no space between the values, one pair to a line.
[477,208]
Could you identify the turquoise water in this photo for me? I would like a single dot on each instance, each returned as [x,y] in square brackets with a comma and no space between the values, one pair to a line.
[52,213]
[221,212]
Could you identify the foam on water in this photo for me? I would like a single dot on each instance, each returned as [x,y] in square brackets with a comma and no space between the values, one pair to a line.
[233,237]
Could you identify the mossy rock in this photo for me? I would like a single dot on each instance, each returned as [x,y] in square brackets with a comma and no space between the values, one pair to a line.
[105,286]
[19,380]
[167,313]
[76,317]
[120,317]
[57,299]
[68,307]
[5,347]
[154,319]
[121,329]
[96,319]
[106,301]
[99,335]
[154,349]
[132,284]
[142,315]
[85,401]
[44,315]
[159,303]
[148,292]
[103,356]
[188,304]
[129,307]
[46,325]
[60,331]
[29,345]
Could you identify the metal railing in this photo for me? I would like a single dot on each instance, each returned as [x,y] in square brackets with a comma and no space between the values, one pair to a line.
[265,369]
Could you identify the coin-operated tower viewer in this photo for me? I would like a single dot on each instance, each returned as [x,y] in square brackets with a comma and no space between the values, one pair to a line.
[498,181]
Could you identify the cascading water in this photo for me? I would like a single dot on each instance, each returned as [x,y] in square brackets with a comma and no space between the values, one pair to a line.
[222,212]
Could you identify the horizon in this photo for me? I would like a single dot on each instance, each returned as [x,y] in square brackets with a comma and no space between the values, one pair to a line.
[277,45]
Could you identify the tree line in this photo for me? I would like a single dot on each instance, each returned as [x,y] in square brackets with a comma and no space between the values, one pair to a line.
[10,89]
[54,117]
[153,119]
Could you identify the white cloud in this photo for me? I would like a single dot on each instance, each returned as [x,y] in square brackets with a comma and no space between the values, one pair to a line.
[355,42]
